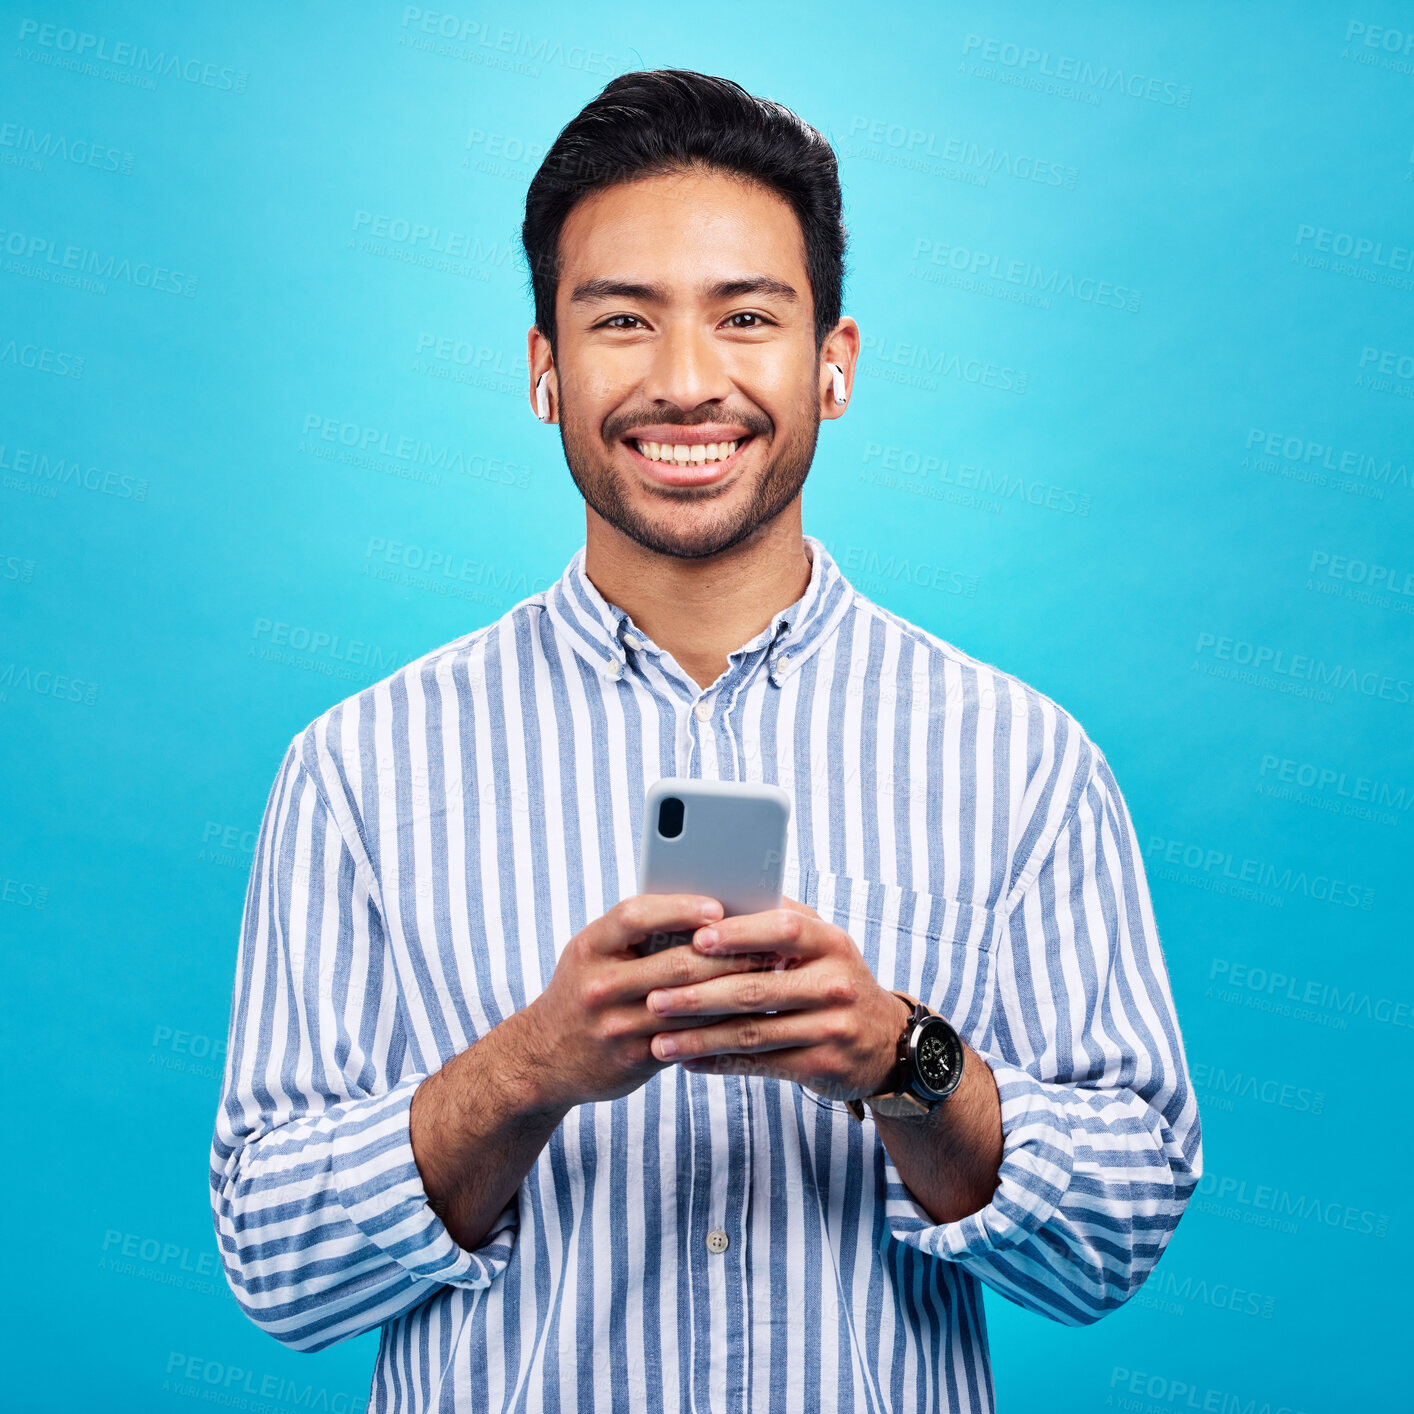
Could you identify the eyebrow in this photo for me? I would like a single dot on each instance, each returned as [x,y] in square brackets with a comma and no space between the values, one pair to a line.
[593,290]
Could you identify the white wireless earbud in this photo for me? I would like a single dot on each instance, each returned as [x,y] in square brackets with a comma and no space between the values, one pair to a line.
[837,382]
[542,399]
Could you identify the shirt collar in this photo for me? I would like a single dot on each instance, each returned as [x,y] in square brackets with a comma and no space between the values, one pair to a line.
[603,634]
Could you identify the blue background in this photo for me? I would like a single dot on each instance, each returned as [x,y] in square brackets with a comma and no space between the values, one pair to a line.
[1167,486]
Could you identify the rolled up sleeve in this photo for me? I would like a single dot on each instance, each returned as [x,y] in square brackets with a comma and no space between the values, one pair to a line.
[320,1213]
[1102,1145]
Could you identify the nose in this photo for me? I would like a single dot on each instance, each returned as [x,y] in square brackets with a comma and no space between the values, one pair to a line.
[687,370]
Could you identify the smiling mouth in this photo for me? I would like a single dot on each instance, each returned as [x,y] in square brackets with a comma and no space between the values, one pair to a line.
[687,453]
[689,461]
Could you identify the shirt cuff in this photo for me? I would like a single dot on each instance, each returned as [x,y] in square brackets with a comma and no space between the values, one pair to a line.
[378,1183]
[1038,1156]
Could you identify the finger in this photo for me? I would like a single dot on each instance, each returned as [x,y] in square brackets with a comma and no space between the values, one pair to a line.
[784,931]
[754,991]
[632,979]
[632,920]
[751,1035]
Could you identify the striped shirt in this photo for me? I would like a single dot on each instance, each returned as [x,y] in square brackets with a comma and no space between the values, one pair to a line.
[432,843]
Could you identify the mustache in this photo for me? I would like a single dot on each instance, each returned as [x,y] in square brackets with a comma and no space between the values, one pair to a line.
[623,424]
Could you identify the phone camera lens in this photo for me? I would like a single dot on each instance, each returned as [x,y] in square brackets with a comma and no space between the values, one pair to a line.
[670,817]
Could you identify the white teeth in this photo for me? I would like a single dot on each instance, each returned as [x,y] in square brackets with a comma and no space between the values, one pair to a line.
[683,453]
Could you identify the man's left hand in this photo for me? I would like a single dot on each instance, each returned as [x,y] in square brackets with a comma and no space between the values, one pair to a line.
[835,1029]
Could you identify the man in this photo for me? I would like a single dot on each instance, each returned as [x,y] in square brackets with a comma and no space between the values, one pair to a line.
[452,1108]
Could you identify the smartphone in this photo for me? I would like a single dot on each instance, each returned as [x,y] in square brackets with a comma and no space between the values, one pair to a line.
[723,839]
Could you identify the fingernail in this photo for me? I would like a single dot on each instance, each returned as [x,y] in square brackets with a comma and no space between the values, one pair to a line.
[666,1048]
[706,938]
[711,910]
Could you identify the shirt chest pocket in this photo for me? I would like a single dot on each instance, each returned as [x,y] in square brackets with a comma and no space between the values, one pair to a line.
[934,948]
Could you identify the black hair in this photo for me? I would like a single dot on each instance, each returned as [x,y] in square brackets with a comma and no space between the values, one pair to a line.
[655,121]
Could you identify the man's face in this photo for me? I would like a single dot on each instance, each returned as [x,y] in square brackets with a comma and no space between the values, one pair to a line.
[687,376]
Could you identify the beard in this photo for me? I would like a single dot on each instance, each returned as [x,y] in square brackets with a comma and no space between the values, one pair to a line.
[606,489]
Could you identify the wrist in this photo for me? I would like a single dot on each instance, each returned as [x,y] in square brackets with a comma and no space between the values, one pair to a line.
[530,1087]
[509,1072]
[887,1067]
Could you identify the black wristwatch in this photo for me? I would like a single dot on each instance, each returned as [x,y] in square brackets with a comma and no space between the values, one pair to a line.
[928,1068]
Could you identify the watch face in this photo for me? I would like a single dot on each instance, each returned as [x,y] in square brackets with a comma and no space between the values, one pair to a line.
[937,1056]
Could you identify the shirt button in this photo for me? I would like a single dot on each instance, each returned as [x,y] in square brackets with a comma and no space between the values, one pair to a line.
[635,643]
[717,1240]
[614,669]
[783,663]
[703,710]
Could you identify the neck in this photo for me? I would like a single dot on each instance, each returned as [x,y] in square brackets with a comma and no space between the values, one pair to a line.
[703,610]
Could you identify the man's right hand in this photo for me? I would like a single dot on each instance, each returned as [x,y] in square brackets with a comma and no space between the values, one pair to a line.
[591,1027]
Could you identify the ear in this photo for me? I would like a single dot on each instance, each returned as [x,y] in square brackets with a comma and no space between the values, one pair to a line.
[544,398]
[841,348]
